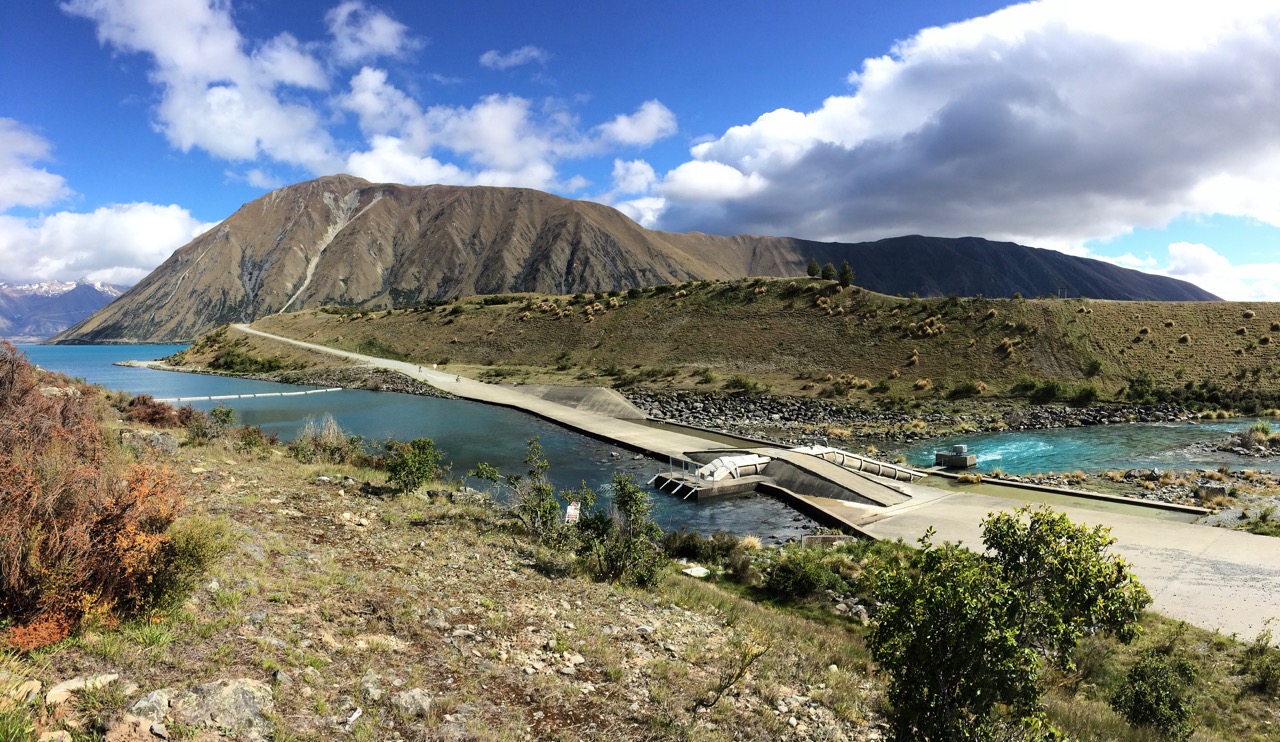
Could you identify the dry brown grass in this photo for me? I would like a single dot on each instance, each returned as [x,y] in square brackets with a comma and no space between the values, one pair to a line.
[772,336]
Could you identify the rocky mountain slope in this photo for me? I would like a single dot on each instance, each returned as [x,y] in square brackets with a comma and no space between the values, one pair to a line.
[343,240]
[31,312]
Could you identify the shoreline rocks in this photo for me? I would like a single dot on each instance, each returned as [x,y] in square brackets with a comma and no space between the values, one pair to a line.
[793,420]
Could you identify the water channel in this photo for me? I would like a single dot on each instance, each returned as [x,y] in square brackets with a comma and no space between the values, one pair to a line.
[468,432]
[471,432]
[1100,448]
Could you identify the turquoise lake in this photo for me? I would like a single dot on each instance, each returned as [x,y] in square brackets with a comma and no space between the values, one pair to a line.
[468,432]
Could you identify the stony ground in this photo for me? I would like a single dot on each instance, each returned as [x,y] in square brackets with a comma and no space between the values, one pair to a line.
[344,613]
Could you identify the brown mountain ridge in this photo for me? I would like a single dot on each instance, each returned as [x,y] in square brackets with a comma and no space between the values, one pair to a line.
[342,240]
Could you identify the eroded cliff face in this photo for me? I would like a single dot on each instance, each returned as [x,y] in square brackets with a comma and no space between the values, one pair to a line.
[343,240]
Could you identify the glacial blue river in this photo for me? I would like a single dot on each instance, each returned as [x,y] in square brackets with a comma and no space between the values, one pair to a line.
[1100,448]
[468,432]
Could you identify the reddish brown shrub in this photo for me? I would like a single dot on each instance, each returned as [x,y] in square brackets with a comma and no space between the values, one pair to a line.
[146,410]
[80,531]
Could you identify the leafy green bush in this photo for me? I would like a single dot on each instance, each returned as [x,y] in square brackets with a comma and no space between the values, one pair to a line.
[1046,391]
[1084,395]
[715,550]
[413,464]
[964,389]
[625,546]
[232,359]
[194,545]
[966,636]
[254,438]
[798,574]
[1157,694]
[740,382]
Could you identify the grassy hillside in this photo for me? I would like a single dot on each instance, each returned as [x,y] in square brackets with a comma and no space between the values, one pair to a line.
[435,616]
[811,338]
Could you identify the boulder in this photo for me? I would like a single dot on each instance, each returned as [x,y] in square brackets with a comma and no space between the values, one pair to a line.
[240,705]
[414,702]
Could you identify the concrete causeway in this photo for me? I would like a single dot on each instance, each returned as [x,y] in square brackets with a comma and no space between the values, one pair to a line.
[1215,578]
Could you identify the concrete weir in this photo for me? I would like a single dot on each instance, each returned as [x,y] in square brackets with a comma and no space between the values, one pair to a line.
[1213,577]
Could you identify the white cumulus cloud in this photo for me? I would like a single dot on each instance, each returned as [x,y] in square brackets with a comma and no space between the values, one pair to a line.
[501,140]
[1052,123]
[362,33]
[496,60]
[218,93]
[22,183]
[118,244]
[653,121]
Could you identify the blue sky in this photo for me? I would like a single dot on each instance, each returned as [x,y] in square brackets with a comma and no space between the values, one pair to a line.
[1139,132]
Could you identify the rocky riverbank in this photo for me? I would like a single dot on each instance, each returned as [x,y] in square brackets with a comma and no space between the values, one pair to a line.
[356,377]
[794,420]
[346,377]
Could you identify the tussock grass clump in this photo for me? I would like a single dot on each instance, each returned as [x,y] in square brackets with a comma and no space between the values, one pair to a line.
[923,385]
[969,478]
[1170,323]
[1248,314]
[1184,338]
[323,441]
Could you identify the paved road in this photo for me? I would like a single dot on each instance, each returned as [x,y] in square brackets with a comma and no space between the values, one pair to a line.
[633,434]
[1211,577]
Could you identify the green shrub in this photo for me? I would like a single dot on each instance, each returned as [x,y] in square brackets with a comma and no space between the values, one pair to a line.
[1262,665]
[965,389]
[194,545]
[1047,391]
[1085,395]
[413,464]
[199,426]
[223,415]
[1157,694]
[967,637]
[739,382]
[625,546]
[799,574]
[254,438]
[232,359]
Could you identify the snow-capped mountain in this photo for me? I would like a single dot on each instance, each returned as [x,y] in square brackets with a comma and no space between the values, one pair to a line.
[35,311]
